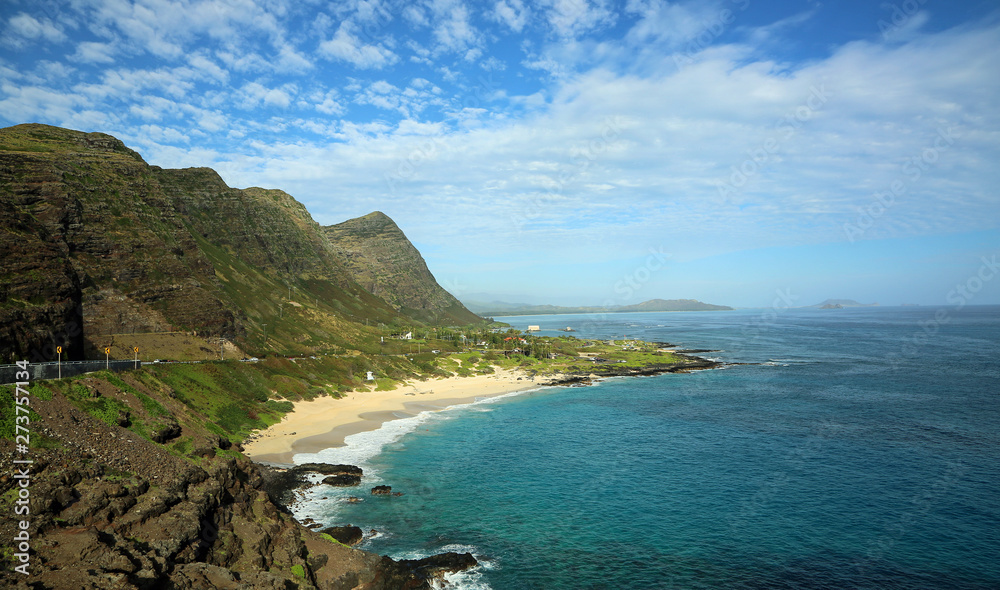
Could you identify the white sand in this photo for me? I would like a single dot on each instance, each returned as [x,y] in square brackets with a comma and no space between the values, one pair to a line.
[324,422]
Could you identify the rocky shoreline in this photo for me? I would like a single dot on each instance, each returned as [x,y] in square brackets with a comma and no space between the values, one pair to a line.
[110,510]
[599,371]
[282,482]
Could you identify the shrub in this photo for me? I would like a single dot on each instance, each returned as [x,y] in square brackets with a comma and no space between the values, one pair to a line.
[276,406]
[231,417]
[37,390]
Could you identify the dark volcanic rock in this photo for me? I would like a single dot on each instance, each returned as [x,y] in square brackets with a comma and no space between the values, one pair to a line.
[436,565]
[281,483]
[343,480]
[348,535]
[206,526]
[328,469]
[167,429]
[382,490]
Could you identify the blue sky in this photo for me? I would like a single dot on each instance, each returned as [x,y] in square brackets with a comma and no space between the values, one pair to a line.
[570,151]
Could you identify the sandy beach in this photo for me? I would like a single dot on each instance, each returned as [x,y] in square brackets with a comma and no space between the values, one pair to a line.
[323,423]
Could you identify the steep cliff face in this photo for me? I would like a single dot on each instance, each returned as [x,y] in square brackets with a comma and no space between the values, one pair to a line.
[91,205]
[382,259]
[40,294]
[267,229]
[135,248]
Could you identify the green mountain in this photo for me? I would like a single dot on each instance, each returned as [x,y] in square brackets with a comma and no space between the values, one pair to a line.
[496,308]
[98,243]
[380,257]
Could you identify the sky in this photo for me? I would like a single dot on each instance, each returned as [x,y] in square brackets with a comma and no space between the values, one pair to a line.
[573,152]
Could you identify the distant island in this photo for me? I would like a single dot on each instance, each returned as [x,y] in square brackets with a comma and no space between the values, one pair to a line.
[840,304]
[500,308]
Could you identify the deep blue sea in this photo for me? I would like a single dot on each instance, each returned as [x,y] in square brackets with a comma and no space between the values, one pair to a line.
[859,448]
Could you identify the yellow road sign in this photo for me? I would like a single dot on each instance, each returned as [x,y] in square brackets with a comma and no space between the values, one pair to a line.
[59,349]
[107,350]
[135,349]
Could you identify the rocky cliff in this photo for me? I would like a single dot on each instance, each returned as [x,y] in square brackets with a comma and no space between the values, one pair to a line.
[381,258]
[97,242]
[130,487]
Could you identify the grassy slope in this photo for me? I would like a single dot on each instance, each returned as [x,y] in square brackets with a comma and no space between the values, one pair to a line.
[230,399]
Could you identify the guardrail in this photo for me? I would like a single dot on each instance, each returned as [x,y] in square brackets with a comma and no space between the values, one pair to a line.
[69,369]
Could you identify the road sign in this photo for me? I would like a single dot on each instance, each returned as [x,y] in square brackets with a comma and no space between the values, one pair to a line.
[135,349]
[107,350]
[59,349]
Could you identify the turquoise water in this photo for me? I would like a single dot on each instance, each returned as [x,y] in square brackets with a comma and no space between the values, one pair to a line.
[854,453]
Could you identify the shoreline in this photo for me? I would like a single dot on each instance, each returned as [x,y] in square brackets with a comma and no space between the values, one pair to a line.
[323,423]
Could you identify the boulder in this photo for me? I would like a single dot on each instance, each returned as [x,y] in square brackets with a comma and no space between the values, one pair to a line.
[348,535]
[382,490]
[442,563]
[328,469]
[166,430]
[342,480]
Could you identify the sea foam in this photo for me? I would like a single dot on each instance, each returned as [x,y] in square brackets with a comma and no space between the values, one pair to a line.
[360,448]
[321,502]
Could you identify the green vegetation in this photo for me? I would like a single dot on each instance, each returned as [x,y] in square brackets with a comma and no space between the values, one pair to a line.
[231,399]
[331,539]
[8,417]
[182,446]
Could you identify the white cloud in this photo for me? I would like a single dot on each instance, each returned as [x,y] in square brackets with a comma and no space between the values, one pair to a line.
[50,71]
[175,82]
[672,25]
[660,144]
[345,46]
[453,29]
[618,136]
[169,29]
[327,102]
[91,52]
[209,68]
[244,62]
[512,13]
[291,60]
[163,134]
[23,27]
[492,64]
[569,18]
[34,103]
[212,121]
[253,94]
[416,16]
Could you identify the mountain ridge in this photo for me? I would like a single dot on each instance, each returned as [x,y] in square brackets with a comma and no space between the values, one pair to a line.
[108,244]
[381,258]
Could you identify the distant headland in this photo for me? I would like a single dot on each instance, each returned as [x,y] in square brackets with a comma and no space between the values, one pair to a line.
[500,308]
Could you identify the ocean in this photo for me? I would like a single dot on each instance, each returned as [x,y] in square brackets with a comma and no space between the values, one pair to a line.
[855,448]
